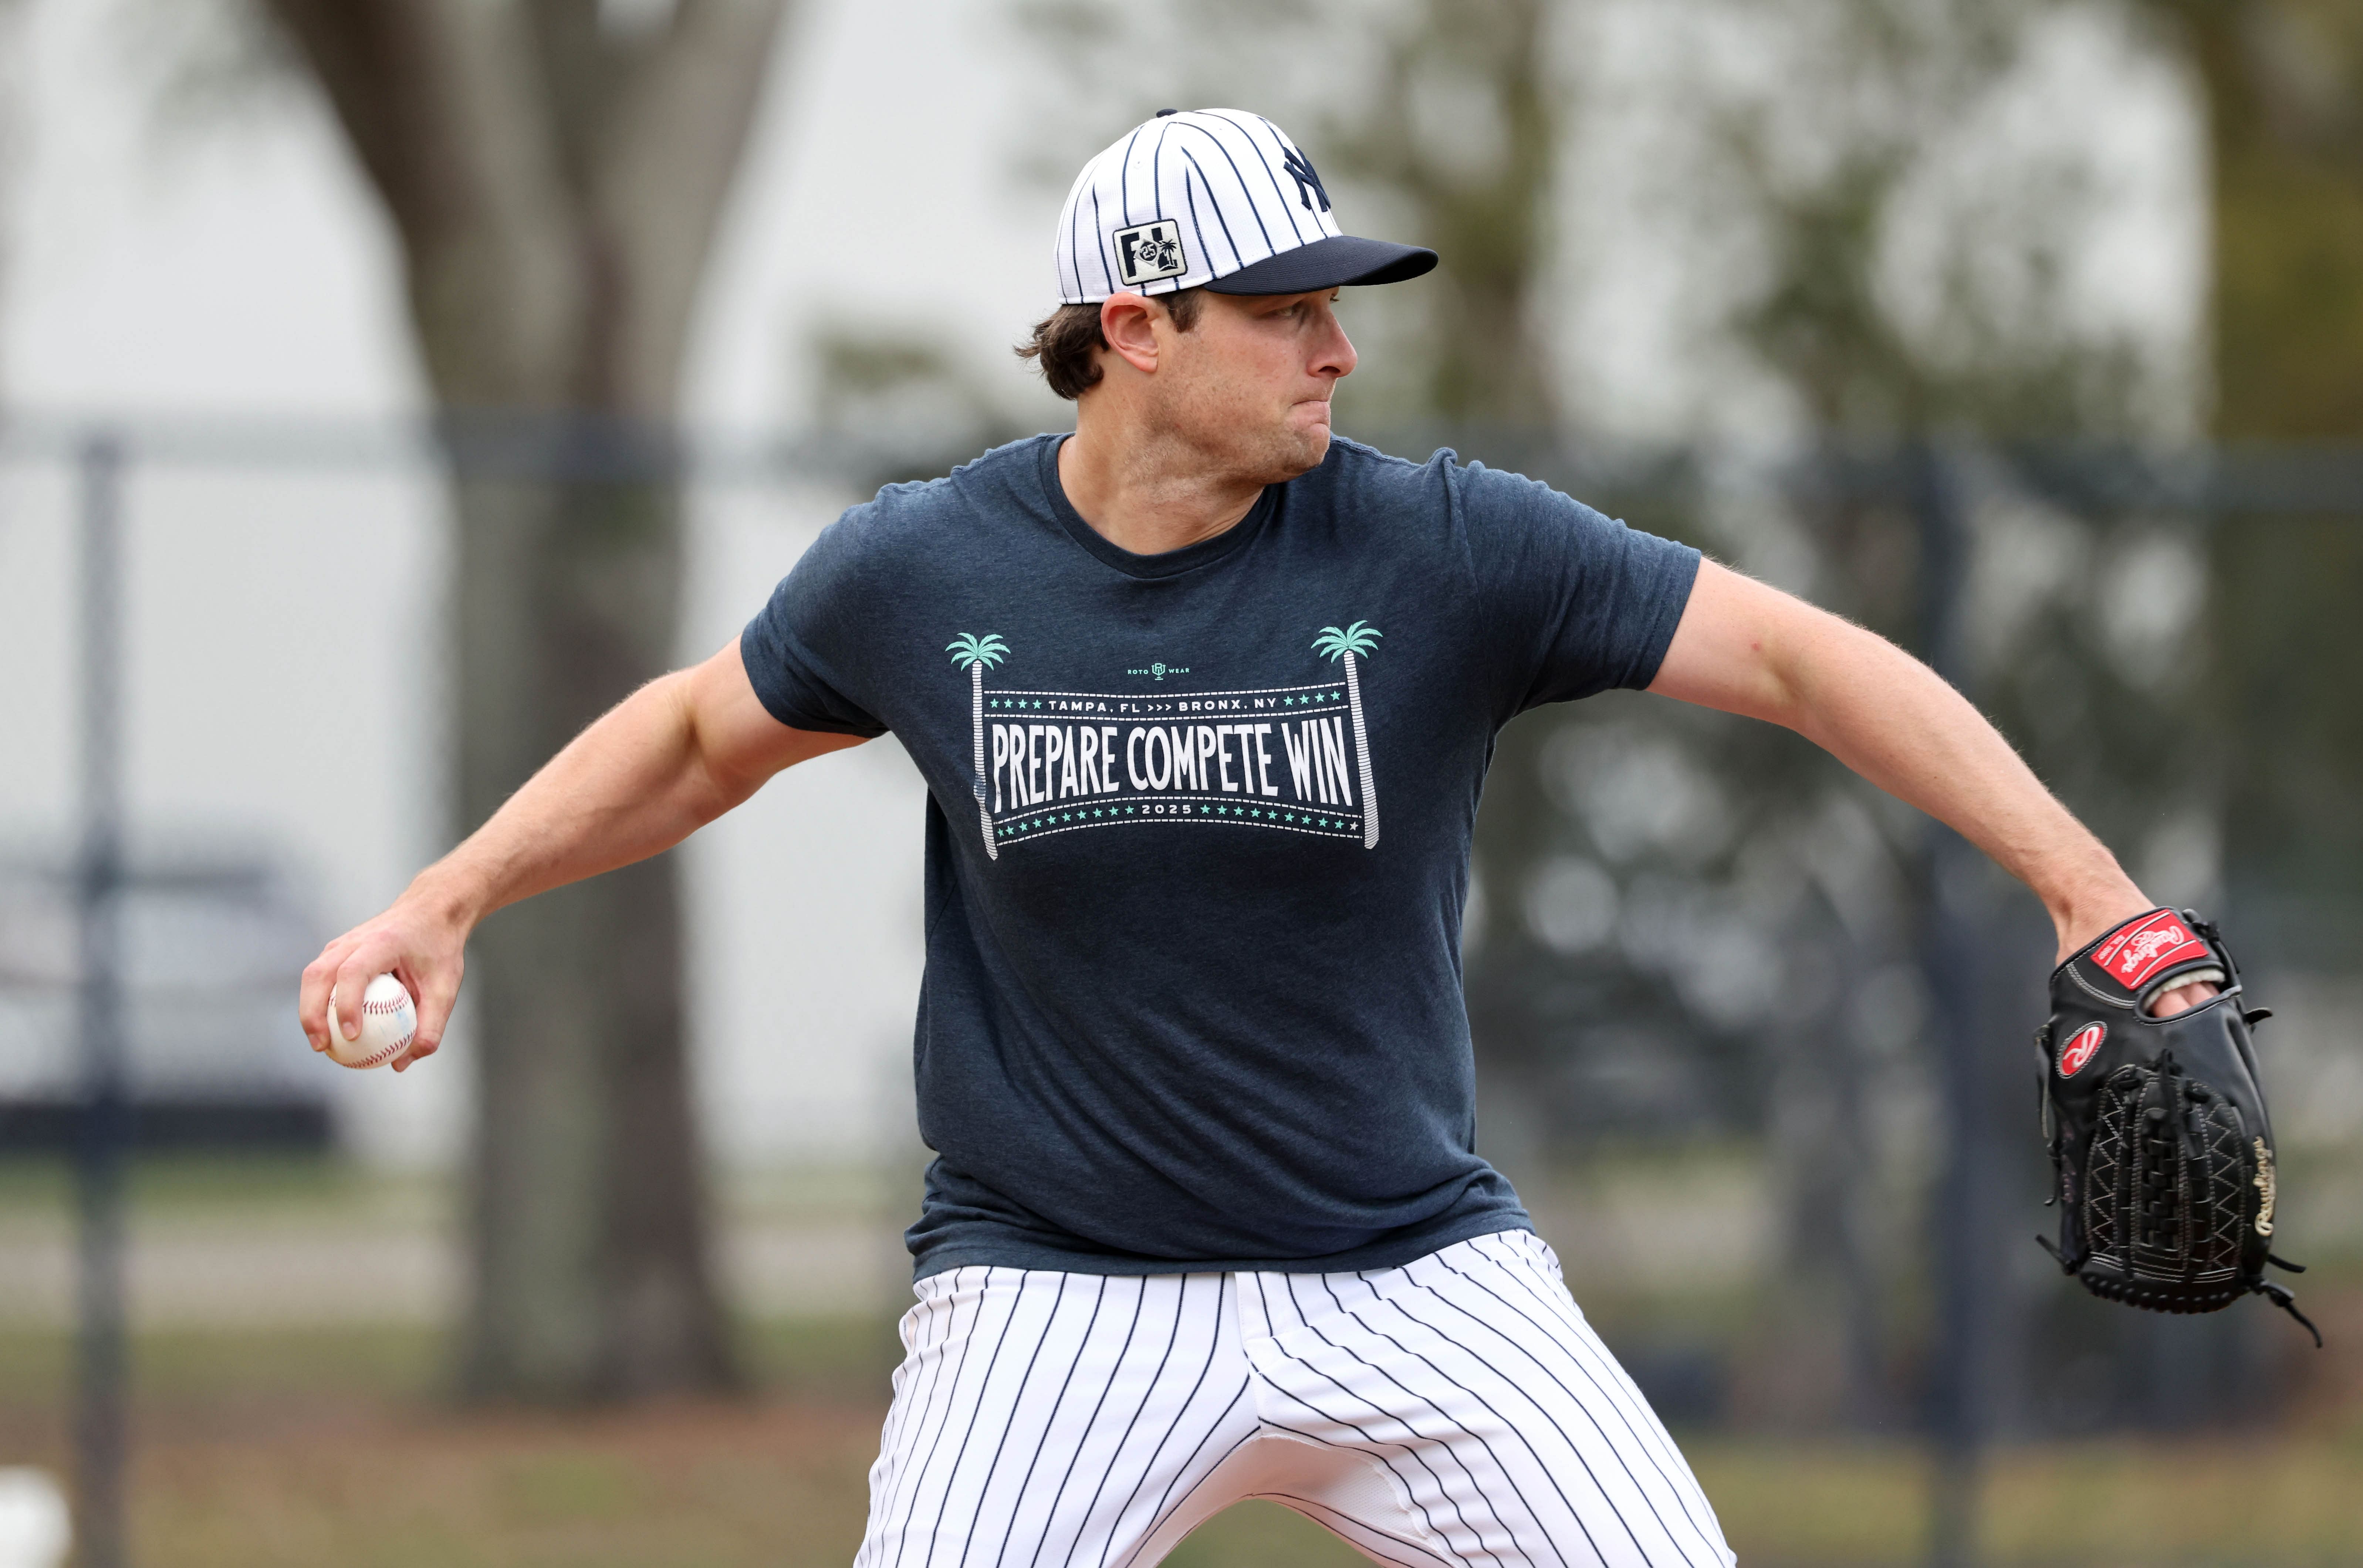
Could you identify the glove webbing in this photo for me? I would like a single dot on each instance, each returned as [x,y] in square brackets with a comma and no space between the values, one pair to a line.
[2167,1155]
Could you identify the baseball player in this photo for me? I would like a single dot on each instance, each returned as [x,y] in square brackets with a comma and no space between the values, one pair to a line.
[1204,695]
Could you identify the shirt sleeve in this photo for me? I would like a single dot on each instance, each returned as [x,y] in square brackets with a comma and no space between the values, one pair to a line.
[805,652]
[1576,602]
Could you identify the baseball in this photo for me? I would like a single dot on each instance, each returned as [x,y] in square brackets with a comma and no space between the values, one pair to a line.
[388,1022]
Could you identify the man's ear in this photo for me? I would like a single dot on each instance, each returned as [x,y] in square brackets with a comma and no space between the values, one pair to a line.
[1129,323]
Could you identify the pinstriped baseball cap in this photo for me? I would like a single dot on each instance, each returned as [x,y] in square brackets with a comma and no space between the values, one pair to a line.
[1217,198]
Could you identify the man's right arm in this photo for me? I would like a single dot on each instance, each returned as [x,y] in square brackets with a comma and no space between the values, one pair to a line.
[656,767]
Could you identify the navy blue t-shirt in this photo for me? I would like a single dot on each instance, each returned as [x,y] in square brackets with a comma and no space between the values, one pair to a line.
[1198,831]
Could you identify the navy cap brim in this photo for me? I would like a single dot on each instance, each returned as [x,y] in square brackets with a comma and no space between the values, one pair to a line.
[1337,261]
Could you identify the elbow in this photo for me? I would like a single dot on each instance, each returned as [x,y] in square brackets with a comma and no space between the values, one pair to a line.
[707,788]
[1781,681]
[1789,708]
[1812,680]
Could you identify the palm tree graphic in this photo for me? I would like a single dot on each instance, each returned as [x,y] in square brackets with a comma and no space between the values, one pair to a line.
[1352,644]
[975,654]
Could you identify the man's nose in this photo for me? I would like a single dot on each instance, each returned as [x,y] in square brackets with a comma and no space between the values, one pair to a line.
[1336,356]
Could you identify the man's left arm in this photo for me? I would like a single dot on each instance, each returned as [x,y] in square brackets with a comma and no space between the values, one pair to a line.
[1746,648]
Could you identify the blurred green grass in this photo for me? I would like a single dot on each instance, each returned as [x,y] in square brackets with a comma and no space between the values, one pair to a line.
[838,1360]
[274,1450]
[262,1179]
[39,1187]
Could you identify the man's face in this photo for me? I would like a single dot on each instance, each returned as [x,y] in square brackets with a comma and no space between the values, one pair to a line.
[1248,387]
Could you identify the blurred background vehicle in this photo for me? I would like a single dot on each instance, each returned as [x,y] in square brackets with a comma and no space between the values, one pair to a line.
[208,944]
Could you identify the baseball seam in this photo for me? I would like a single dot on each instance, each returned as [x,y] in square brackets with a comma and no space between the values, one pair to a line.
[384,1054]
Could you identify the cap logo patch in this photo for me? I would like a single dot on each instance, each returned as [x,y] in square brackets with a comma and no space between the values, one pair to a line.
[1149,252]
[2134,954]
[2081,1047]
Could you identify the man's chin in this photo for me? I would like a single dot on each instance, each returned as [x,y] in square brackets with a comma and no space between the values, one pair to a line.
[1301,450]
[1281,454]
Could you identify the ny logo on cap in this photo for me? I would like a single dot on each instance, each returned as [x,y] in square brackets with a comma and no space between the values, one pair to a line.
[1150,250]
[1308,183]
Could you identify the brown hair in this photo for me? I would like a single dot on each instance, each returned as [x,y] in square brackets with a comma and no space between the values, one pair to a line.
[1068,341]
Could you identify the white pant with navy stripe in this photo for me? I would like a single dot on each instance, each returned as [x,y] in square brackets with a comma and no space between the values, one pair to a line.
[1456,1410]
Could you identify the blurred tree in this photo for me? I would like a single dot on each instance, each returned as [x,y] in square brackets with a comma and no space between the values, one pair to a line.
[1907,258]
[896,398]
[2284,84]
[555,170]
[1462,126]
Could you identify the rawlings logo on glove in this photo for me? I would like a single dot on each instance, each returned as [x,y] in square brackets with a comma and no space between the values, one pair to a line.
[2157,1126]
[2134,953]
[2080,1048]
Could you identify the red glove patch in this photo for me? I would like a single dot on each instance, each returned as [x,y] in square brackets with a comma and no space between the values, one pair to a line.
[2140,948]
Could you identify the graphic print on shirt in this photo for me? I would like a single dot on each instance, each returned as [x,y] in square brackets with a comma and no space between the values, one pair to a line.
[1352,644]
[1295,757]
[975,654]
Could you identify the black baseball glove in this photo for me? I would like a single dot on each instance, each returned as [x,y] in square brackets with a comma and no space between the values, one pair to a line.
[2157,1126]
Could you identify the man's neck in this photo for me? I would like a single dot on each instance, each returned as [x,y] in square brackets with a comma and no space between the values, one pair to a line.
[1144,492]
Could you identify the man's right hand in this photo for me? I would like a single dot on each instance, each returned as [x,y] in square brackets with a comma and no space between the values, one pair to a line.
[422,940]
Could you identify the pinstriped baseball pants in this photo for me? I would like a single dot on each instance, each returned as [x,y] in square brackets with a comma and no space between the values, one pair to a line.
[1457,1411]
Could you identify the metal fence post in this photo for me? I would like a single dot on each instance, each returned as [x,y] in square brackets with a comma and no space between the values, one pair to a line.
[1950,952]
[105,1132]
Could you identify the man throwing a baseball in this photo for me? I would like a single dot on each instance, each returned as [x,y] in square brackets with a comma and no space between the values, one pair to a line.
[1204,696]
